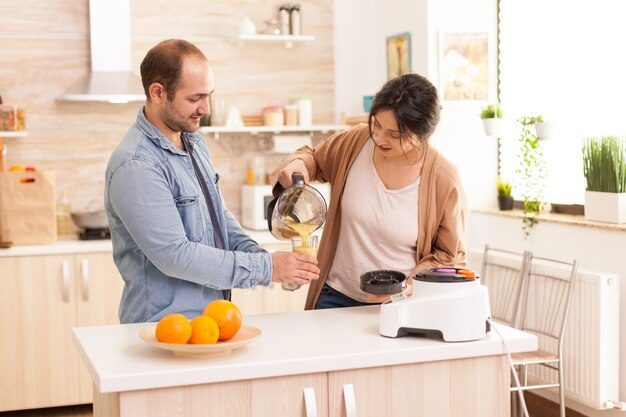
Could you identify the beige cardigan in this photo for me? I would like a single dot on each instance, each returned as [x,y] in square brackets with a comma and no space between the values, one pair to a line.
[442,206]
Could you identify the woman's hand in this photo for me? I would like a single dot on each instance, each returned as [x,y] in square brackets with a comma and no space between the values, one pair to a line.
[296,268]
[284,175]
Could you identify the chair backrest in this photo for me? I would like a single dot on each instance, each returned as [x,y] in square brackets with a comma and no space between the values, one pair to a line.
[504,272]
[547,299]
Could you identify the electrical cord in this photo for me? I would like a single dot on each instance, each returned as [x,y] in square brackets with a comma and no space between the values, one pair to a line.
[513,370]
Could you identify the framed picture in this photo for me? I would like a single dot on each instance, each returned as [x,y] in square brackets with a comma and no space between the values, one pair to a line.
[464,65]
[398,55]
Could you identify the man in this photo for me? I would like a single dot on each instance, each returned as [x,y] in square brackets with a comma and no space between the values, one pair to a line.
[175,243]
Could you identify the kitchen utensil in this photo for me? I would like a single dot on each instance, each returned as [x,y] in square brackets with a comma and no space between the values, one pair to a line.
[383,282]
[448,302]
[245,335]
[93,217]
[298,211]
[299,245]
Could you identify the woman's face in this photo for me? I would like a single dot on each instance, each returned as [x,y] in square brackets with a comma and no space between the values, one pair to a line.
[386,136]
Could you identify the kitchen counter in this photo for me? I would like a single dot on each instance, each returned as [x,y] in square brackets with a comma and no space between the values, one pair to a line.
[74,245]
[297,350]
[290,344]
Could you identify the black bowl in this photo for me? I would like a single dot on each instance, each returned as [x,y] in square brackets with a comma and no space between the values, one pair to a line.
[383,282]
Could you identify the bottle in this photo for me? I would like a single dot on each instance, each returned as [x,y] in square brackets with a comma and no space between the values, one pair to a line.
[65,226]
[294,20]
[283,19]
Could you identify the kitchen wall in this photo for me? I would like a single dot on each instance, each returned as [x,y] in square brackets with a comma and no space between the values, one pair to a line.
[45,49]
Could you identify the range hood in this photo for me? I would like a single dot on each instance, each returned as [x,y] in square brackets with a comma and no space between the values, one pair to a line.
[111,79]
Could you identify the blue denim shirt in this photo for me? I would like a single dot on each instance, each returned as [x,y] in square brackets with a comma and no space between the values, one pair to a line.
[161,230]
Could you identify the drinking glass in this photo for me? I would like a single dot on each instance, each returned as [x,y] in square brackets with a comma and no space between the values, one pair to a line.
[309,247]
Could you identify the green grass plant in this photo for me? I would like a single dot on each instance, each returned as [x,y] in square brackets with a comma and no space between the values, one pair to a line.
[604,164]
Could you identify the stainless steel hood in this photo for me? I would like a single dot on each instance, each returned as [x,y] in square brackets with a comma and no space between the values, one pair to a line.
[111,79]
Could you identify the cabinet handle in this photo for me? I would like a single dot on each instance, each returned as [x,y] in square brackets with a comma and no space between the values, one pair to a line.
[349,400]
[309,402]
[65,270]
[84,267]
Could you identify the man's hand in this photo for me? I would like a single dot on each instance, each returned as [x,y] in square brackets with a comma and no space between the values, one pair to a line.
[296,268]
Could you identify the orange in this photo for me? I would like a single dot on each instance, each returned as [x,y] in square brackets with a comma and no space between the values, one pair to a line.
[173,328]
[17,168]
[227,316]
[204,330]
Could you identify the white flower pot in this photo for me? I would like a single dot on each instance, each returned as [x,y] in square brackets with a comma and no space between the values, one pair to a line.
[605,207]
[544,130]
[493,127]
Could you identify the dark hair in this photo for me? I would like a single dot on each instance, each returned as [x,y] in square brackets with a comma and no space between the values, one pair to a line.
[163,64]
[414,103]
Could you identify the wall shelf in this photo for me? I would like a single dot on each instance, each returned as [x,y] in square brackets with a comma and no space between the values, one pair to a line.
[13,134]
[255,130]
[288,40]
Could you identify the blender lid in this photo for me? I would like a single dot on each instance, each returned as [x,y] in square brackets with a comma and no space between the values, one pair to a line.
[383,282]
[446,275]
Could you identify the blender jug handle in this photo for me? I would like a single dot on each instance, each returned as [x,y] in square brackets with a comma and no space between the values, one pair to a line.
[297,178]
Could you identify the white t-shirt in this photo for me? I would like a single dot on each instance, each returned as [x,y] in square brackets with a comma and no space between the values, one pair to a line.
[378,228]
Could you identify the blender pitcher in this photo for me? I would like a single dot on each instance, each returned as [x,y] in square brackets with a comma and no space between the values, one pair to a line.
[298,211]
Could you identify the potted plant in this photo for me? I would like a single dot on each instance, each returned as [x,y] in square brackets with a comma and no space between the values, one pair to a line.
[544,130]
[492,120]
[531,171]
[505,200]
[604,167]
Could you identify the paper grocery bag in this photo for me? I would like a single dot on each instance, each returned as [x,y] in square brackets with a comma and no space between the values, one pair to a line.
[28,208]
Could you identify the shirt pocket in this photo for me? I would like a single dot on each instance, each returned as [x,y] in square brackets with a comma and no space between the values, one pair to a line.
[190,211]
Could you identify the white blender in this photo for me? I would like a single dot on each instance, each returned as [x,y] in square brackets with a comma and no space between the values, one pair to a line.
[448,302]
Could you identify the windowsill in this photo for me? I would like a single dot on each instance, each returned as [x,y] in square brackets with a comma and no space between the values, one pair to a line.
[568,219]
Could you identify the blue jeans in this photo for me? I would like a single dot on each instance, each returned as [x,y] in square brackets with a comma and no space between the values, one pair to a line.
[331,298]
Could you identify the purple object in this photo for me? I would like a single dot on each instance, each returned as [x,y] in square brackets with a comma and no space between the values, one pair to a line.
[446,270]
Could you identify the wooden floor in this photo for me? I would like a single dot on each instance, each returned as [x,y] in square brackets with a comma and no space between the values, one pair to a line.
[74,411]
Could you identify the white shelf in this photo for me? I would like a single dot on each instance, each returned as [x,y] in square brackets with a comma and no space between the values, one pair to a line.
[13,134]
[288,40]
[255,130]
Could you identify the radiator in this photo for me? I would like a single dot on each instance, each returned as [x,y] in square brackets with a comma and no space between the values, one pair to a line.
[591,345]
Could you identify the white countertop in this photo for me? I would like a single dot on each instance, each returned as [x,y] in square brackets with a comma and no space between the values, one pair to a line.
[73,245]
[291,343]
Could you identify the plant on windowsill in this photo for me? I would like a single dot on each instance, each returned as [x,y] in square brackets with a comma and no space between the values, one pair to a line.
[492,120]
[505,200]
[604,167]
[531,172]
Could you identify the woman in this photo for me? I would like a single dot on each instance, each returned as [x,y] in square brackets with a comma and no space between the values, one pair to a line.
[396,203]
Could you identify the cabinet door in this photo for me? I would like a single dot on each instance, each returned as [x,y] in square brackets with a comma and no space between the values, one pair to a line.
[37,304]
[266,397]
[473,387]
[98,290]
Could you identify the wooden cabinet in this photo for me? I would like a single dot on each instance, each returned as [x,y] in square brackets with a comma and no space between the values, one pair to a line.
[42,298]
[473,387]
[265,397]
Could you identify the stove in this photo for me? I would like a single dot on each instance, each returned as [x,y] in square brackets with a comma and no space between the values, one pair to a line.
[95,234]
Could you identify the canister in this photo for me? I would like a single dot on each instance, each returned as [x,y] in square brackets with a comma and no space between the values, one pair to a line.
[291,114]
[273,116]
[305,110]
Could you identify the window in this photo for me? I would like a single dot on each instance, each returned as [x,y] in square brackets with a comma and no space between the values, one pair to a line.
[562,60]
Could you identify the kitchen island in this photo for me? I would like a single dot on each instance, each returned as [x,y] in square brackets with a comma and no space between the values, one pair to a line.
[315,363]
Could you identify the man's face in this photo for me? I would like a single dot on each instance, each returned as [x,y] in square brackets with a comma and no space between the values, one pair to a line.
[183,111]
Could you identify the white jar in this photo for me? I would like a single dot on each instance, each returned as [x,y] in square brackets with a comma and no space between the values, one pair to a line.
[305,110]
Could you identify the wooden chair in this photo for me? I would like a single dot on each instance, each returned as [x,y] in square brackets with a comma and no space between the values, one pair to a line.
[504,273]
[546,303]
